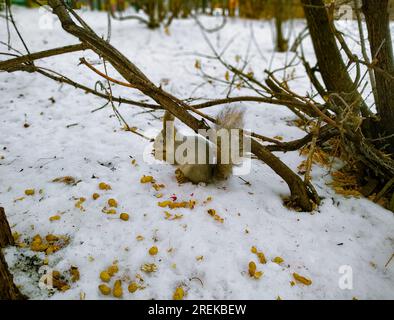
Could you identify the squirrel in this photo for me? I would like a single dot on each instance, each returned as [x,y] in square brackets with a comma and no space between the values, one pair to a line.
[199,163]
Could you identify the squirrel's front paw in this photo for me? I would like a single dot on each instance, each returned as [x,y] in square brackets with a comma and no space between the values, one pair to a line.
[180,177]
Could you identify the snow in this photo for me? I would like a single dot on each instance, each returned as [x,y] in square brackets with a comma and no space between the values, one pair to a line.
[342,232]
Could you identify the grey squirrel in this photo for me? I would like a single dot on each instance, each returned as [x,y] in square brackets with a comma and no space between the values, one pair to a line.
[198,159]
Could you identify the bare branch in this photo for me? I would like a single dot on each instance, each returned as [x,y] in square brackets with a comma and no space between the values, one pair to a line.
[15,63]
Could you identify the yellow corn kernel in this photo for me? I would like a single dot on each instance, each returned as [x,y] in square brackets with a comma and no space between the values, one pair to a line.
[133,287]
[105,276]
[112,203]
[104,186]
[30,192]
[178,294]
[95,196]
[117,290]
[153,251]
[104,289]
[124,216]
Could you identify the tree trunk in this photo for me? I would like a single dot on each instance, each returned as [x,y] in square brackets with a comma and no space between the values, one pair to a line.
[331,66]
[281,42]
[329,60]
[378,24]
[204,6]
[6,238]
[152,12]
[232,6]
[8,290]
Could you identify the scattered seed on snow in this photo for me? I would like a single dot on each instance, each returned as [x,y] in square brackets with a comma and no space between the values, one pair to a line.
[112,203]
[124,216]
[104,186]
[104,289]
[302,279]
[30,192]
[178,294]
[153,251]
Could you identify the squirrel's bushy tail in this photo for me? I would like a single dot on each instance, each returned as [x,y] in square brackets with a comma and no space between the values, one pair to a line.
[228,118]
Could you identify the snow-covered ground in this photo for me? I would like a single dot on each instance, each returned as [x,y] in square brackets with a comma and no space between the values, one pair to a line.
[208,259]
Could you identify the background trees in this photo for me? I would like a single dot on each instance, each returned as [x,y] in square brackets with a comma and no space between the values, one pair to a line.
[381,49]
[339,110]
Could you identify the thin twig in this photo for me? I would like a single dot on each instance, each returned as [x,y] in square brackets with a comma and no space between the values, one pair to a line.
[124,84]
[388,262]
